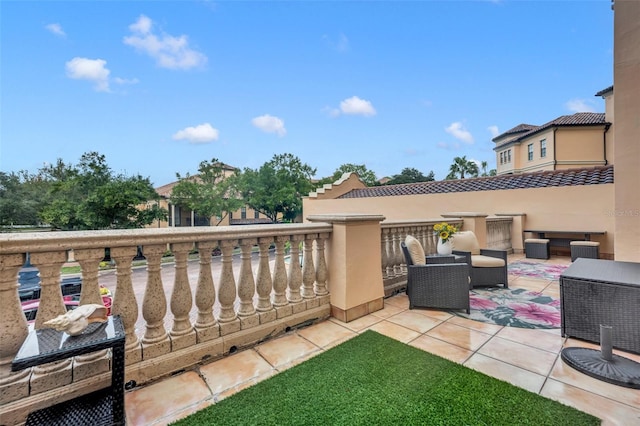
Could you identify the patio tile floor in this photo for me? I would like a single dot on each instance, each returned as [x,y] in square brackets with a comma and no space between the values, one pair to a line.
[526,358]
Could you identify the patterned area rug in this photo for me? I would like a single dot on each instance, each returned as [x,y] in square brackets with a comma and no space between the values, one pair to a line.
[543,271]
[513,307]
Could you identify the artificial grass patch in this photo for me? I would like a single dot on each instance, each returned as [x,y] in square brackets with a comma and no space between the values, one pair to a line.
[373,379]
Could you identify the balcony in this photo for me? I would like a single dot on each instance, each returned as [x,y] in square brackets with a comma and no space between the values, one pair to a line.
[276,295]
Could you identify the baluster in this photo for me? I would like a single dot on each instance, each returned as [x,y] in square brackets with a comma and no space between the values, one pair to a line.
[206,325]
[247,285]
[397,260]
[89,260]
[389,251]
[88,365]
[280,279]
[14,330]
[124,301]
[264,284]
[383,253]
[295,274]
[55,374]
[155,341]
[321,266]
[308,271]
[227,292]
[182,333]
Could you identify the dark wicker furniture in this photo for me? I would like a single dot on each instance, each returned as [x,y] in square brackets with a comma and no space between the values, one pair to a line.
[481,273]
[588,249]
[437,285]
[607,292]
[102,407]
[537,248]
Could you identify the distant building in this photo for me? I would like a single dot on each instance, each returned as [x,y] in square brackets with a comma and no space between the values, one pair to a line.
[580,140]
[180,216]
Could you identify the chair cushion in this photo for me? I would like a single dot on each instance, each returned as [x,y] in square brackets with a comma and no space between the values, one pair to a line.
[466,241]
[415,250]
[480,261]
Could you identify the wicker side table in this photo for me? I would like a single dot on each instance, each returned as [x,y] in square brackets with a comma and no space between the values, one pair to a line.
[102,407]
[596,292]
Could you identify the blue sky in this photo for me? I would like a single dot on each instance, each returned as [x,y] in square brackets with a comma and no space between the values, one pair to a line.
[158,87]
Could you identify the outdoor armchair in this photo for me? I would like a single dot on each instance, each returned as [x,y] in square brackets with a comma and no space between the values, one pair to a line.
[441,285]
[486,267]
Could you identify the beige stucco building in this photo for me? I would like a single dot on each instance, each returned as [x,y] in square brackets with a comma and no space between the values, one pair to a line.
[580,140]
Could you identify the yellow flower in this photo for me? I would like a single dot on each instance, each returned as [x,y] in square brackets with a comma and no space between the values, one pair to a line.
[444,230]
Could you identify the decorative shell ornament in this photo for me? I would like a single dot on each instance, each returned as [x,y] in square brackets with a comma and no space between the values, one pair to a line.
[75,321]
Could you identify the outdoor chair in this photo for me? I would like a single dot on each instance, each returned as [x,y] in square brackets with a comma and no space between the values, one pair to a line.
[486,267]
[441,285]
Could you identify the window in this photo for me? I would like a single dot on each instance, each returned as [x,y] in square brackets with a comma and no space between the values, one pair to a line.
[256,214]
[530,152]
[543,148]
[508,156]
[243,213]
[502,157]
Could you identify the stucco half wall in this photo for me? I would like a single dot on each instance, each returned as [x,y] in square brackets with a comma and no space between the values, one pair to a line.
[581,208]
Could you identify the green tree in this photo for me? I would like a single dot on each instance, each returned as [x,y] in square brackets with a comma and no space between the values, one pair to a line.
[22,196]
[367,176]
[410,175]
[209,193]
[462,166]
[277,187]
[91,196]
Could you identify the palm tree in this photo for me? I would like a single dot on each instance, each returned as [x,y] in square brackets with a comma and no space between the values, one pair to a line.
[484,166]
[461,166]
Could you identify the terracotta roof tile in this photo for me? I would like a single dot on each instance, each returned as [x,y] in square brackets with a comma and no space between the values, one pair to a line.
[568,177]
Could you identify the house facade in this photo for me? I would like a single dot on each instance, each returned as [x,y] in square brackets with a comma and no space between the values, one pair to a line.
[580,140]
[184,217]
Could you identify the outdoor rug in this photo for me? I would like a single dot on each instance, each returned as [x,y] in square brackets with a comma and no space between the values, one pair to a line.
[513,307]
[544,271]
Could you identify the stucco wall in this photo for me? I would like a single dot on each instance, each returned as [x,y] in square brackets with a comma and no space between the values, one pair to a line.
[626,78]
[587,207]
[580,147]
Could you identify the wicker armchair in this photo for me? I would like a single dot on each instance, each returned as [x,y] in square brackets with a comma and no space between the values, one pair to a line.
[441,286]
[487,268]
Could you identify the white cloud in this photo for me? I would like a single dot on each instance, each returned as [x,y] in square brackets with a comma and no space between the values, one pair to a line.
[168,51]
[448,146]
[493,130]
[119,80]
[357,106]
[270,124]
[94,70]
[457,130]
[202,133]
[580,105]
[341,45]
[56,29]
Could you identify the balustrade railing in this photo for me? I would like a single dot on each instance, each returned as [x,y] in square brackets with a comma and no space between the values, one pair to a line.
[174,315]
[499,233]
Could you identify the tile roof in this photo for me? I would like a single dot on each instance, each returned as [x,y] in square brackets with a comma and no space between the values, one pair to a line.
[518,129]
[577,119]
[567,177]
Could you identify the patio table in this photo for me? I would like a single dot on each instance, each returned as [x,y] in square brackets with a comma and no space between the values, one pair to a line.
[102,407]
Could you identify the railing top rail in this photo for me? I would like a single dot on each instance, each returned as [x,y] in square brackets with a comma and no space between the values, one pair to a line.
[417,222]
[50,241]
[499,219]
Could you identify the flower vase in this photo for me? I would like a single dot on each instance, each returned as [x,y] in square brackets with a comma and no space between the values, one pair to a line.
[444,248]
